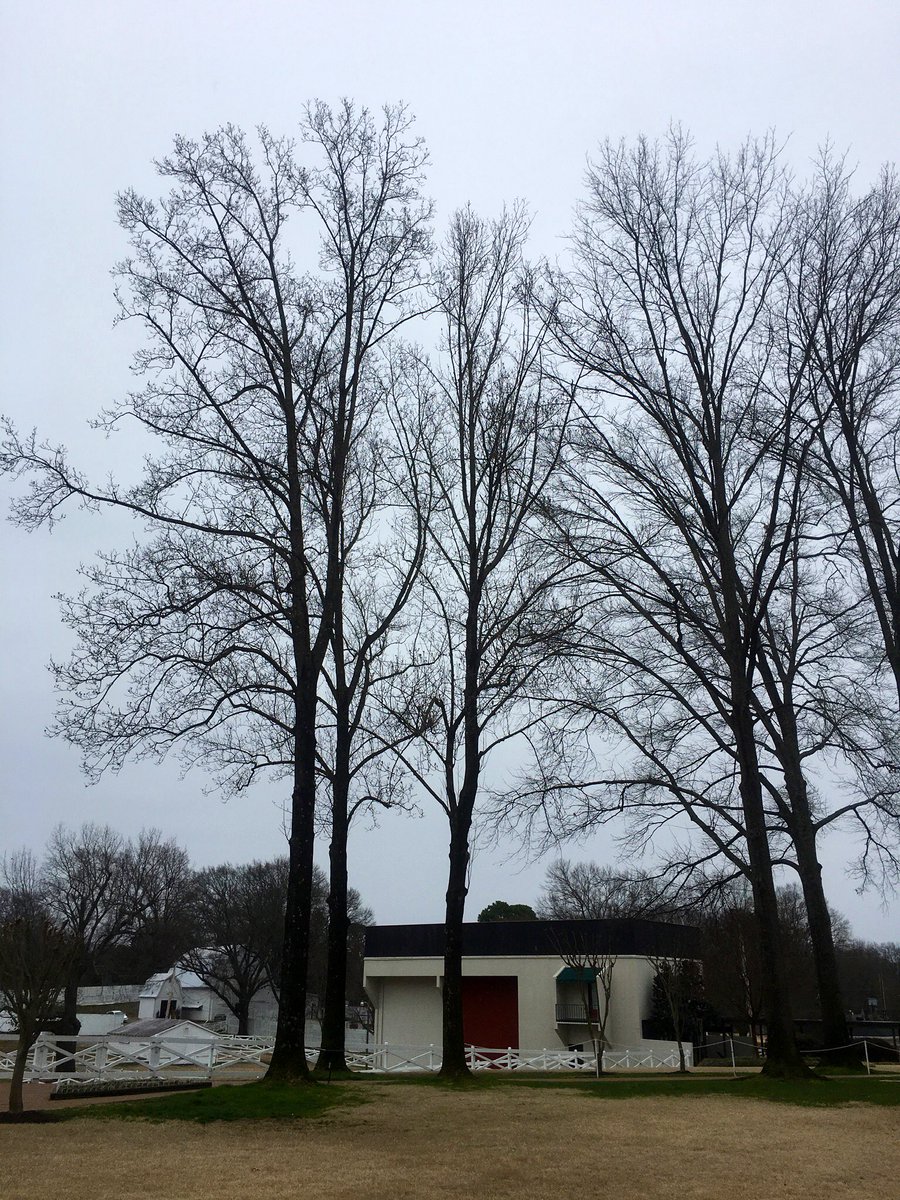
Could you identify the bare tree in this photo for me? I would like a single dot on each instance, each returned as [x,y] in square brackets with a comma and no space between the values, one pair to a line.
[159,878]
[593,966]
[86,885]
[497,428]
[239,912]
[679,982]
[679,505]
[590,892]
[383,543]
[34,961]
[211,636]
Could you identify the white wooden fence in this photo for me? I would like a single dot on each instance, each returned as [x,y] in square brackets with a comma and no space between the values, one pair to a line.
[111,1056]
[384,1058]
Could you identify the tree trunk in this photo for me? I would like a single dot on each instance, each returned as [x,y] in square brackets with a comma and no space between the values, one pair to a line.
[243,1019]
[835,1031]
[332,1055]
[454,1064]
[289,1054]
[782,1056]
[16,1104]
[68,1023]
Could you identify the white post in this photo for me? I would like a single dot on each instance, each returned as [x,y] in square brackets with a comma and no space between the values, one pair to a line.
[211,1058]
[866,1051]
[100,1059]
[153,1061]
[431,1057]
[41,1055]
[733,1067]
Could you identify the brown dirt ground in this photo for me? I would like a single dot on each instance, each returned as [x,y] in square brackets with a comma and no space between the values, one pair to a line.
[417,1142]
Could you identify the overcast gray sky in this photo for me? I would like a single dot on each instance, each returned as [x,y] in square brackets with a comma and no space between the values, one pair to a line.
[511,96]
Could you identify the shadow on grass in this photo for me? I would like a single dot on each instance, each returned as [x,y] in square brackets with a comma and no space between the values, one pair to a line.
[259,1101]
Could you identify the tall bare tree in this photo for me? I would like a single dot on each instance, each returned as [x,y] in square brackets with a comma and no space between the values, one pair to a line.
[211,635]
[497,428]
[679,506]
[679,982]
[383,544]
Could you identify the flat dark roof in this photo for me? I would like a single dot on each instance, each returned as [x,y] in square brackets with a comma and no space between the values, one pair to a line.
[520,939]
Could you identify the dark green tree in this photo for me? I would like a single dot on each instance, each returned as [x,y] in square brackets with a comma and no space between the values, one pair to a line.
[499,910]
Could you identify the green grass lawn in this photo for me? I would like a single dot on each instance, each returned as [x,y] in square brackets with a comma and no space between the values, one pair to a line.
[265,1101]
[815,1092]
[241,1102]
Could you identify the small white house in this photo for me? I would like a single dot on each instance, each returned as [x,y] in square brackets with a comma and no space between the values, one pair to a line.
[164,1042]
[180,993]
[526,984]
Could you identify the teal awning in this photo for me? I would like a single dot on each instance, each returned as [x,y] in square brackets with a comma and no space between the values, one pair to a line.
[577,975]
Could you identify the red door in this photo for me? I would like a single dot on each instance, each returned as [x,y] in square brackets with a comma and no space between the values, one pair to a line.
[491,1011]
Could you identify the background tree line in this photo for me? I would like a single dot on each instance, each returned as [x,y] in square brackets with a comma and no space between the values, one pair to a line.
[121,910]
[632,516]
[731,983]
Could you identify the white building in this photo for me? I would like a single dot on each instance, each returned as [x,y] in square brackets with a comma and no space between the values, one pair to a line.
[180,993]
[525,983]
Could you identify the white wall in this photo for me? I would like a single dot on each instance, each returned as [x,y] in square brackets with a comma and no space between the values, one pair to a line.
[408,1001]
[409,1011]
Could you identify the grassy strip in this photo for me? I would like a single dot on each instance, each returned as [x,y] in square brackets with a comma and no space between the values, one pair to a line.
[258,1101]
[822,1092]
[818,1093]
[271,1101]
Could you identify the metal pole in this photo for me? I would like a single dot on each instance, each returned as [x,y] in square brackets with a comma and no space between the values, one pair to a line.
[866,1050]
[733,1067]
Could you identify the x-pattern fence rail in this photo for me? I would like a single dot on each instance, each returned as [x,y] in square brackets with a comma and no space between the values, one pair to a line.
[480,1058]
[112,1056]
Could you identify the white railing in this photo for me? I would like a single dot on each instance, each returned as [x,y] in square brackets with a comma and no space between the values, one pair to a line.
[111,1056]
[387,1058]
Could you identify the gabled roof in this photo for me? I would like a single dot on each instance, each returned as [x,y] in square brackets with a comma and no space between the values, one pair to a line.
[183,977]
[154,984]
[152,1027]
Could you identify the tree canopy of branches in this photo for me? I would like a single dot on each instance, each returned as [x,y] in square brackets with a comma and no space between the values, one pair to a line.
[845,274]
[590,892]
[239,916]
[637,518]
[86,884]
